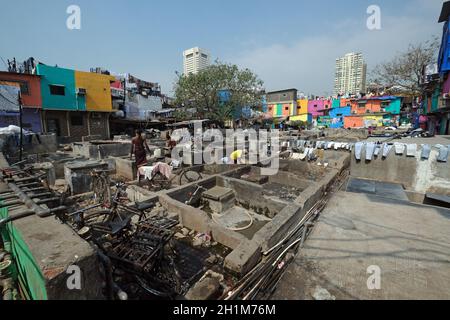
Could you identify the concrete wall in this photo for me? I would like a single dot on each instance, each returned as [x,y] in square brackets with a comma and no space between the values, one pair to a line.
[415,174]
[101,151]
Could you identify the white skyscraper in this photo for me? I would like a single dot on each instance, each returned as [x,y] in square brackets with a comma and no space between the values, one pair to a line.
[350,75]
[195,59]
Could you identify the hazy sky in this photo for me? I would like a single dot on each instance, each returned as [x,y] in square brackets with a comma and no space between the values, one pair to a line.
[288,43]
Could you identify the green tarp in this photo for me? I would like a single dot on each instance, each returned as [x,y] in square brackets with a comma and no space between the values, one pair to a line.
[28,273]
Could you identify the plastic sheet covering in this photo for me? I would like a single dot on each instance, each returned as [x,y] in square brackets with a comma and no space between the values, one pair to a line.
[370,148]
[387,149]
[358,150]
[411,150]
[443,153]
[426,150]
[9,98]
[399,148]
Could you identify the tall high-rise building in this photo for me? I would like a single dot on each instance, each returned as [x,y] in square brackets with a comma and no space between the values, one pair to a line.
[194,60]
[350,77]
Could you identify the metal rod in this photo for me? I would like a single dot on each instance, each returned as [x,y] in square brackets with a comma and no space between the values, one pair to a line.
[25,214]
[41,212]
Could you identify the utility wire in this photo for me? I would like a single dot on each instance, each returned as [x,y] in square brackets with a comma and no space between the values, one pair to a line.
[8,99]
[4,62]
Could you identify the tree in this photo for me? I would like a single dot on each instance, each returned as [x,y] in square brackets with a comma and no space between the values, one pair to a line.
[405,71]
[201,91]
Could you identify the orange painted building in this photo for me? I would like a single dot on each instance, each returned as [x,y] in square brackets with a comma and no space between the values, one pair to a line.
[366,106]
[346,102]
[353,122]
[30,87]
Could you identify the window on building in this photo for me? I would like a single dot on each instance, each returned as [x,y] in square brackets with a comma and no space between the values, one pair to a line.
[57,90]
[315,106]
[76,120]
[53,126]
[286,108]
[24,88]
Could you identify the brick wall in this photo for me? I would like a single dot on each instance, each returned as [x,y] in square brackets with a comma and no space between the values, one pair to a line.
[53,119]
[78,130]
[73,125]
[99,124]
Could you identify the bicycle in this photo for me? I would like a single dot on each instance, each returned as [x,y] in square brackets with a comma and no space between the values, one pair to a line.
[101,186]
[160,182]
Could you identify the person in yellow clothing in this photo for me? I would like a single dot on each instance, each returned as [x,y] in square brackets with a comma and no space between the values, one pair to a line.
[236,156]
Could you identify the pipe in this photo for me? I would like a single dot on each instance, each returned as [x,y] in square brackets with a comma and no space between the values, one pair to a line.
[27,213]
[41,212]
[18,216]
[12,195]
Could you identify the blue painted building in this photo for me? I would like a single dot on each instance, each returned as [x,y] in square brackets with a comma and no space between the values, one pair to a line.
[337,116]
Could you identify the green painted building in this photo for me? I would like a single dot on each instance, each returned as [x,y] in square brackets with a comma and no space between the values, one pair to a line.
[59,90]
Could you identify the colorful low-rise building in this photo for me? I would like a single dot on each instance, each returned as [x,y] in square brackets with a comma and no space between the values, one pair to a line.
[315,108]
[31,99]
[282,104]
[75,104]
[302,106]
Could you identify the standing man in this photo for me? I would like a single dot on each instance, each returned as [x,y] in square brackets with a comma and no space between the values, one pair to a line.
[139,147]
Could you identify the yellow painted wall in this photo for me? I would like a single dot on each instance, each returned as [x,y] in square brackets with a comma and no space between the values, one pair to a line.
[378,120]
[302,106]
[303,117]
[98,90]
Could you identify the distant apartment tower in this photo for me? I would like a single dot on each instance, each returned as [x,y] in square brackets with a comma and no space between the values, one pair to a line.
[350,77]
[195,59]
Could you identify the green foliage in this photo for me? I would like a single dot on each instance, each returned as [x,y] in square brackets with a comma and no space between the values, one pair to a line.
[181,114]
[200,91]
[404,72]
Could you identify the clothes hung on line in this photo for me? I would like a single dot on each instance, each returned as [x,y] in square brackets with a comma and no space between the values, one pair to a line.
[376,153]
[399,148]
[358,150]
[411,150]
[443,153]
[426,150]
[370,148]
[387,148]
[150,171]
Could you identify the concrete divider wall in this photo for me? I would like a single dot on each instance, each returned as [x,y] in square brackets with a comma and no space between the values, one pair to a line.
[251,195]
[101,151]
[414,173]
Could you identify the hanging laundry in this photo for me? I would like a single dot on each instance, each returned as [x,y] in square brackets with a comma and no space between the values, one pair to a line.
[358,150]
[304,154]
[311,155]
[426,150]
[387,148]
[370,148]
[377,150]
[411,150]
[443,153]
[399,148]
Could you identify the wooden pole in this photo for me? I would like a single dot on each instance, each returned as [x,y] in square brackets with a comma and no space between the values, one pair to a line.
[21,127]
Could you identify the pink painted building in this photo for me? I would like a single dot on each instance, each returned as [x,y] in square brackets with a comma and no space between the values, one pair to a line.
[315,107]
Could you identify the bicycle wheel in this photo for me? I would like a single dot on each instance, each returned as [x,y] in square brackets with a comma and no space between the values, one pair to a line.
[189,176]
[159,182]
